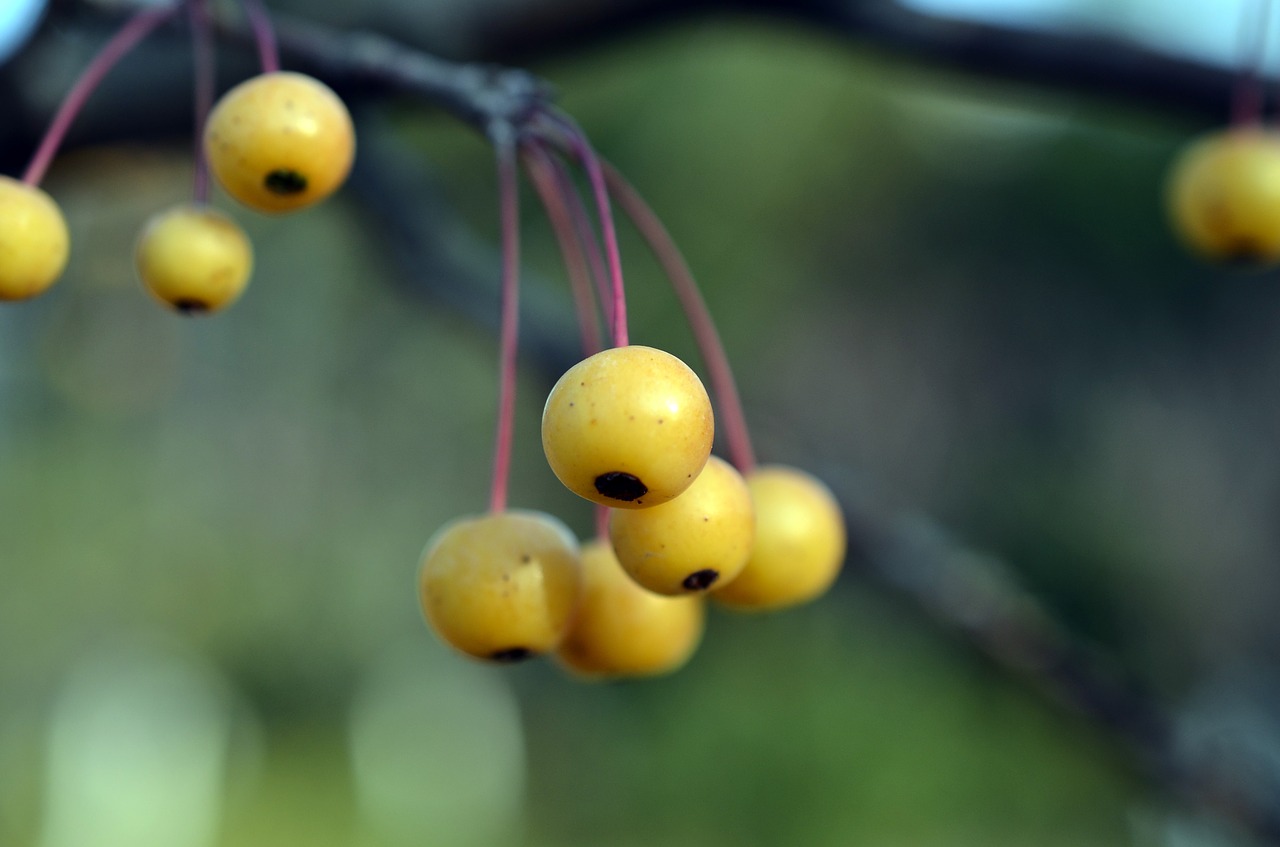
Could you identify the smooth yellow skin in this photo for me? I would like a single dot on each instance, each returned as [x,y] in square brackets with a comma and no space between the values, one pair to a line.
[696,541]
[622,630]
[280,142]
[194,258]
[502,586]
[800,542]
[33,240]
[1224,196]
[633,411]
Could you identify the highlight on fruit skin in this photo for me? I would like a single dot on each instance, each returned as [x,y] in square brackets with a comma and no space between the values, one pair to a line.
[693,543]
[1224,196]
[194,259]
[622,630]
[800,542]
[501,586]
[34,242]
[629,427]
[279,142]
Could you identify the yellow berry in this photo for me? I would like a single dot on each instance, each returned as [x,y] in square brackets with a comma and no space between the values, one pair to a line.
[502,586]
[280,142]
[1224,196]
[629,427]
[800,542]
[691,543]
[33,240]
[621,629]
[194,259]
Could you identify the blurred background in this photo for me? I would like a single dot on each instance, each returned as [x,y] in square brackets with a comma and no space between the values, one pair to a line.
[949,293]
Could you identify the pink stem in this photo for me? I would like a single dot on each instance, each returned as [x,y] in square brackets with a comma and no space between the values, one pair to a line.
[704,330]
[203,57]
[509,209]
[125,39]
[264,35]
[577,141]
[586,236]
[1249,95]
[602,522]
[540,166]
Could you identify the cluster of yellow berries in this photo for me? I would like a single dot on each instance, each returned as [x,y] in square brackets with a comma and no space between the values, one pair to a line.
[277,142]
[630,428]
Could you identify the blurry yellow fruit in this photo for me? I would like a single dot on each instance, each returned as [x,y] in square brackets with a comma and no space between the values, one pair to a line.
[502,586]
[33,240]
[1224,196]
[800,542]
[622,629]
[194,258]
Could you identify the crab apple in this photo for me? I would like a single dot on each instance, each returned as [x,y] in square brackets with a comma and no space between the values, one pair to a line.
[33,240]
[629,427]
[280,142]
[1224,196]
[194,259]
[691,543]
[621,629]
[799,546]
[502,586]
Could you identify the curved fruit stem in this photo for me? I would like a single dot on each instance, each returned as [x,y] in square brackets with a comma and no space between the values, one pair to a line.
[542,171]
[264,35]
[504,144]
[126,38]
[203,59]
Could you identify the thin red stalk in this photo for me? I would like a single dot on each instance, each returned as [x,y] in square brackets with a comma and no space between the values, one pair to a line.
[509,210]
[602,522]
[586,235]
[732,419]
[264,35]
[539,165]
[1249,96]
[125,39]
[203,57]
[581,148]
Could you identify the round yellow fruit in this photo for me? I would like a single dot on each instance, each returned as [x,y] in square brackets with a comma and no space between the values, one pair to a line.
[194,258]
[799,546]
[502,586]
[33,240]
[629,427]
[280,142]
[623,630]
[1224,196]
[692,543]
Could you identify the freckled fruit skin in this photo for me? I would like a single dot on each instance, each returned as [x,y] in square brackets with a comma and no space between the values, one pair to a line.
[622,630]
[33,240]
[629,427]
[280,142]
[501,586]
[194,259]
[1224,196]
[696,541]
[800,542]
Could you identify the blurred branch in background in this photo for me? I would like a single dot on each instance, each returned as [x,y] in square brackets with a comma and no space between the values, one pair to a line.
[963,591]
